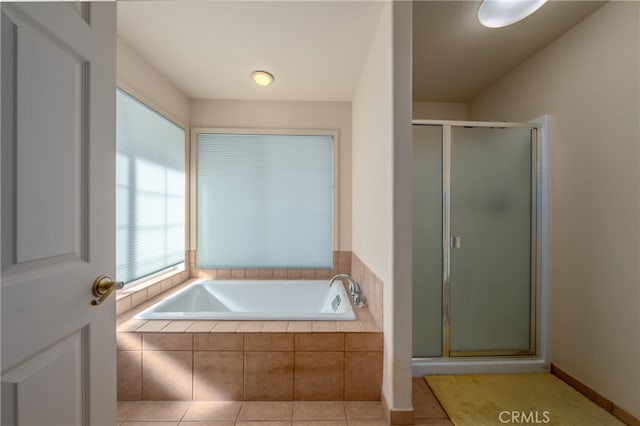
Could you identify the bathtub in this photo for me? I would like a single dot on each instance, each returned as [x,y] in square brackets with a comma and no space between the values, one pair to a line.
[255,300]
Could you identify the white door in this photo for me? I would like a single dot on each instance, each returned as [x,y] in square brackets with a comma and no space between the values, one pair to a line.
[58,156]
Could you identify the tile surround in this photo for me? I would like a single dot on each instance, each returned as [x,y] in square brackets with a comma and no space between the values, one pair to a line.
[268,376]
[371,286]
[129,375]
[319,376]
[243,360]
[344,262]
[129,298]
[249,366]
[363,376]
[341,265]
[217,375]
[167,375]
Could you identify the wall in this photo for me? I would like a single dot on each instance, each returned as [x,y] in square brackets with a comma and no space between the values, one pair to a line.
[373,197]
[440,111]
[588,80]
[136,76]
[289,115]
[402,289]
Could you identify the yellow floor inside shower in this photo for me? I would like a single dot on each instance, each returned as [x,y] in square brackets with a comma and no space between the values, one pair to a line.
[497,399]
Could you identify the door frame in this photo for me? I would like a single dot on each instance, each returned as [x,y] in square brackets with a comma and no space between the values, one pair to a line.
[493,361]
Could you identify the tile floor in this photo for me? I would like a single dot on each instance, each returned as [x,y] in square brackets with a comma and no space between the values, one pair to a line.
[426,408]
[276,413]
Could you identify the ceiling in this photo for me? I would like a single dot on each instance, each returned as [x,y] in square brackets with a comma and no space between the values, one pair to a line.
[455,57]
[316,48]
[208,49]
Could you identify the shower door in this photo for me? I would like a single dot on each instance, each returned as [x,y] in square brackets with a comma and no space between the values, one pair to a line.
[474,228]
[491,211]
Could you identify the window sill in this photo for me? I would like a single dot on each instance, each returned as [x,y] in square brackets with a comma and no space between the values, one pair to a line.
[144,289]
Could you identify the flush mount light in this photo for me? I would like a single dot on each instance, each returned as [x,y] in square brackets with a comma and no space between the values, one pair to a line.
[500,13]
[262,78]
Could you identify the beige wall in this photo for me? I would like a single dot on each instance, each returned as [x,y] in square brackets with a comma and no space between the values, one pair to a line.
[289,115]
[373,197]
[588,80]
[440,111]
[401,292]
[136,76]
[372,174]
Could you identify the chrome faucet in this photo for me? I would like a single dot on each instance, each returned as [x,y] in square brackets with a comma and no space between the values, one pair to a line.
[354,288]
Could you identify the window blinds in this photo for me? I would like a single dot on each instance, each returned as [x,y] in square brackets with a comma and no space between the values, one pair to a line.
[264,201]
[150,190]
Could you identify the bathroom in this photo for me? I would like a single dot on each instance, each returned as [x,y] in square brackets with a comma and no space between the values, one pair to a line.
[584,77]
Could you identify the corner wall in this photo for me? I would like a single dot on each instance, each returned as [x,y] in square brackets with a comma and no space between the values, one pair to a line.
[136,76]
[588,80]
[381,137]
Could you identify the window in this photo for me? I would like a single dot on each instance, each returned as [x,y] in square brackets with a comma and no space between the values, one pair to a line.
[150,190]
[264,200]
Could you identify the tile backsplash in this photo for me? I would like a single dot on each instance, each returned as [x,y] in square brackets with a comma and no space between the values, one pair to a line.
[131,297]
[371,286]
[341,265]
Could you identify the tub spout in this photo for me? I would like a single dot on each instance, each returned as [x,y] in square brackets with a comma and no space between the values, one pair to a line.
[354,289]
[343,277]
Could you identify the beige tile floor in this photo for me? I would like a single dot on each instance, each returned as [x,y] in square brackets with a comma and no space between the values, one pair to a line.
[276,413]
[426,408]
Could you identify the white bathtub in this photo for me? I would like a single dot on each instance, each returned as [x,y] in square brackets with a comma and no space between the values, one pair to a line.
[255,300]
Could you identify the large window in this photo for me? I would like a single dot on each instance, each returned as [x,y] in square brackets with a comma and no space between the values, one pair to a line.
[150,191]
[264,200]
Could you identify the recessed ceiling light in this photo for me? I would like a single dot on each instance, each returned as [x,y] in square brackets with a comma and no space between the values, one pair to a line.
[262,78]
[500,13]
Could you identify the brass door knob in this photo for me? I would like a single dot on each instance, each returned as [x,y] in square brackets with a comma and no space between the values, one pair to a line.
[102,287]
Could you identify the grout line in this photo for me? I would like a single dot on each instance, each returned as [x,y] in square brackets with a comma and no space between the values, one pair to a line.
[185,413]
[244,374]
[193,368]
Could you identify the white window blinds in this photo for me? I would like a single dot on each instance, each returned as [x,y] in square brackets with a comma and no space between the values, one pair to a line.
[264,201]
[150,191]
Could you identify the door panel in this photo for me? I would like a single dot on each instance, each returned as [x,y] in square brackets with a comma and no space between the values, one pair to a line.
[427,241]
[28,385]
[58,157]
[491,209]
[51,90]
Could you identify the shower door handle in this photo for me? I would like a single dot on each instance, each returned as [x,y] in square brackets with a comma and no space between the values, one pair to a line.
[455,241]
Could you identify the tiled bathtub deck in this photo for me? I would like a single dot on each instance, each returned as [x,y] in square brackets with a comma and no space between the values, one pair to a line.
[248,360]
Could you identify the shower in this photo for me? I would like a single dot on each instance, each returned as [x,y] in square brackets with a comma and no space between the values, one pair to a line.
[476,241]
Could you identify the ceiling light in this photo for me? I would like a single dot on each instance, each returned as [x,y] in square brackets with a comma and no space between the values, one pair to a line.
[500,13]
[262,78]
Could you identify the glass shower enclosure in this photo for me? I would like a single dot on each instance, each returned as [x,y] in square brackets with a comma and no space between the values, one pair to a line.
[474,239]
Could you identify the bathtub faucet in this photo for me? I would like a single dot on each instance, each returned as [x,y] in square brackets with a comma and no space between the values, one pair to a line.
[341,277]
[354,288]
